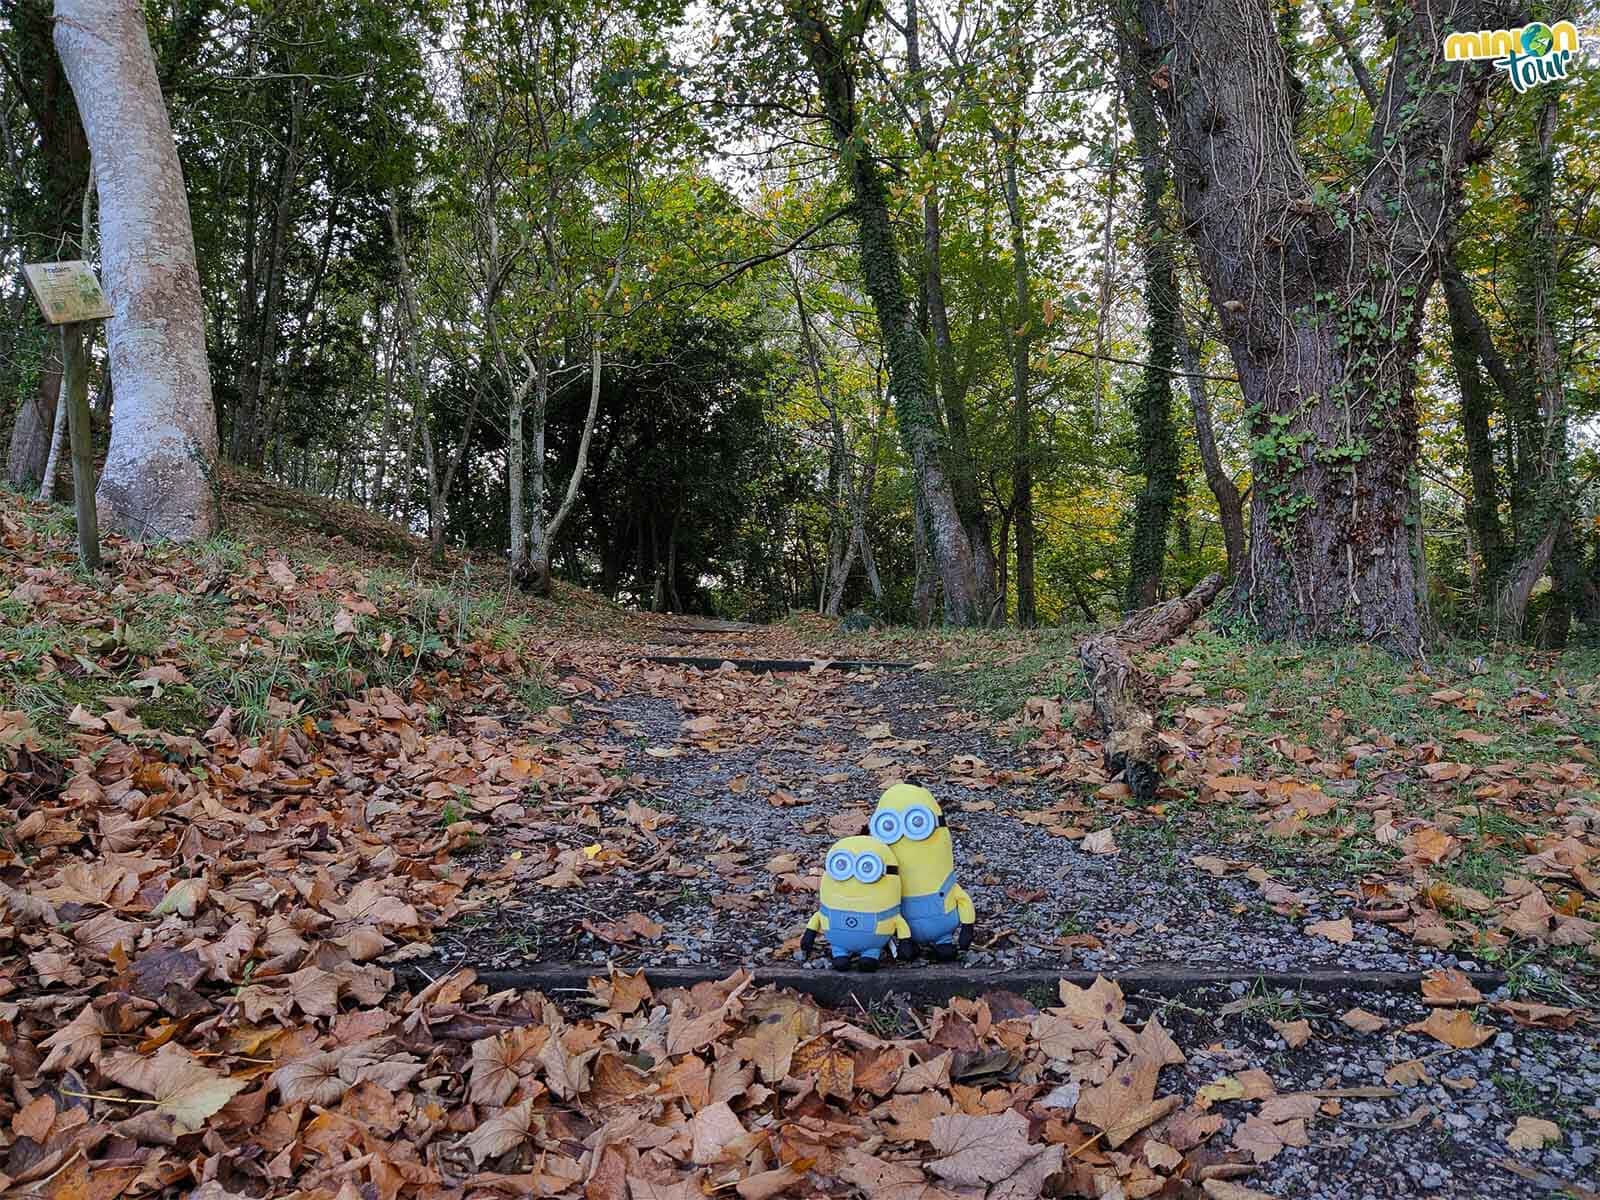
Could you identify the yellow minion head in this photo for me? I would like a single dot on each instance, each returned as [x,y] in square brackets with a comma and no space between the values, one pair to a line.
[860,874]
[909,821]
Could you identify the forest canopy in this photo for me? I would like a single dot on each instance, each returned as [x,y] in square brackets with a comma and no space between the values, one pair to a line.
[980,311]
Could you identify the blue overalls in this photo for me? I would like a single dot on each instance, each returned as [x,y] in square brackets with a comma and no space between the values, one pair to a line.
[851,932]
[930,923]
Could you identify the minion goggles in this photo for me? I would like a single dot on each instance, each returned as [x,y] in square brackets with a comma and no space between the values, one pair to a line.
[866,866]
[917,823]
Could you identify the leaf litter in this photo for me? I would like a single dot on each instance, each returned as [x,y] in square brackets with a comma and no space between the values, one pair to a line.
[205,928]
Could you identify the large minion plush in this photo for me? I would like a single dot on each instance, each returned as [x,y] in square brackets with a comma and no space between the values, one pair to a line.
[860,903]
[935,906]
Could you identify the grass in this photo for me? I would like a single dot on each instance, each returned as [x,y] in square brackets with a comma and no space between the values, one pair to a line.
[1521,1096]
[222,636]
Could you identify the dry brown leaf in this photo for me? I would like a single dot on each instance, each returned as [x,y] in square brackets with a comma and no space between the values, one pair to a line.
[1449,988]
[1533,1133]
[1123,1104]
[1410,1073]
[1363,1021]
[1339,931]
[1454,1027]
[981,1151]
[76,1042]
[765,1184]
[1101,1002]
[34,1119]
[713,1128]
[1294,1033]
[1101,841]
[501,1133]
[1227,1189]
[930,1075]
[500,1063]
[184,1088]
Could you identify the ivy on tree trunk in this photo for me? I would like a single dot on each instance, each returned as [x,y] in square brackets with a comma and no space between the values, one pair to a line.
[1320,292]
[879,256]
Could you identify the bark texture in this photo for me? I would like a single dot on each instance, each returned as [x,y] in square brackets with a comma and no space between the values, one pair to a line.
[1118,688]
[1320,293]
[30,435]
[160,477]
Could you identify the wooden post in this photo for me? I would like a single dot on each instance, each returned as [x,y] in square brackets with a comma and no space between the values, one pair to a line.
[75,391]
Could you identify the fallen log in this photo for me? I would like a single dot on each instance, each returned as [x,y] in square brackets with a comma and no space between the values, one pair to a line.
[1118,689]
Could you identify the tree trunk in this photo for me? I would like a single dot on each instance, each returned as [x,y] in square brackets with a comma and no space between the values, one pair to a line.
[160,474]
[1021,333]
[1157,458]
[1468,340]
[36,419]
[75,342]
[58,437]
[952,389]
[880,270]
[1320,295]
[249,431]
[1230,505]
[536,576]
[926,584]
[1537,404]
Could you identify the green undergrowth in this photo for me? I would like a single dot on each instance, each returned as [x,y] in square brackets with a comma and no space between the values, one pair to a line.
[1525,701]
[218,635]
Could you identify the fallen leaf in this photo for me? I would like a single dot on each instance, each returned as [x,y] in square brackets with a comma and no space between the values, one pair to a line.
[1449,988]
[710,1132]
[1533,1133]
[183,1087]
[1335,931]
[1294,1033]
[501,1133]
[1363,1021]
[1454,1028]
[1100,841]
[1411,1073]
[982,1151]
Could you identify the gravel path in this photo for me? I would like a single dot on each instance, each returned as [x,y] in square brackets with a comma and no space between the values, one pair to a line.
[1042,900]
[1441,1134]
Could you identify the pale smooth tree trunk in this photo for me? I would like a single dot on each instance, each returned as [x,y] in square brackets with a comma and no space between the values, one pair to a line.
[58,435]
[535,577]
[160,477]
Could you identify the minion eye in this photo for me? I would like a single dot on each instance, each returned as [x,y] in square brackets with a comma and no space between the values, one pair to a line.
[869,868]
[886,826]
[920,823]
[841,864]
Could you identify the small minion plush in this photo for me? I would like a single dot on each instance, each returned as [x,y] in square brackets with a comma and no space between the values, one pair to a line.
[937,908]
[860,903]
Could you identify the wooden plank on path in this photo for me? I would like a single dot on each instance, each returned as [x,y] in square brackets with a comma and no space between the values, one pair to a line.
[770,665]
[937,983]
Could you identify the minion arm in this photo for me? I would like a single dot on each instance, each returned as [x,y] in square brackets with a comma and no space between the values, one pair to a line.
[962,903]
[808,939]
